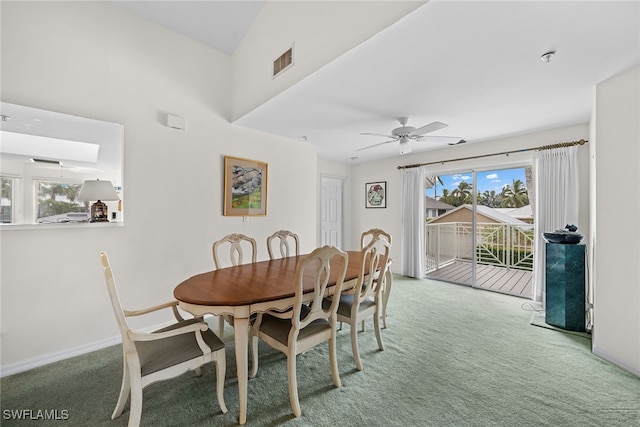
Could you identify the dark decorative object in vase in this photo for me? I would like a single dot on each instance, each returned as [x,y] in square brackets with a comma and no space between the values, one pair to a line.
[567,236]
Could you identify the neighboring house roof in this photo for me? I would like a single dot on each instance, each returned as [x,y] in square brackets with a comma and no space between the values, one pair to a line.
[431,203]
[486,211]
[525,212]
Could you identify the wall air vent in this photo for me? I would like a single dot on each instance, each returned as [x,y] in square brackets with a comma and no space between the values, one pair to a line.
[283,62]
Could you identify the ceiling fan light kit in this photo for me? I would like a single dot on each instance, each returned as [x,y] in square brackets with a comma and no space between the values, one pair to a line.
[405,147]
[405,134]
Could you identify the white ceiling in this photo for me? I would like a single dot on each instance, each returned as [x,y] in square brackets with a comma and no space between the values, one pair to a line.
[216,23]
[474,65]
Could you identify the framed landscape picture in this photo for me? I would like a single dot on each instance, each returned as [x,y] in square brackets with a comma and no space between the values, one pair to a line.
[375,194]
[245,187]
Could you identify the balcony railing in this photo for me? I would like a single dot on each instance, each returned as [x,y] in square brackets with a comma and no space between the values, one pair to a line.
[503,245]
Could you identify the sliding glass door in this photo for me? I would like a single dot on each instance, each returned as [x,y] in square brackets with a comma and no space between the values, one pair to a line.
[479,230]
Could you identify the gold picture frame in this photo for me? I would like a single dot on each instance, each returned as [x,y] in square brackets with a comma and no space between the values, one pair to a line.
[245,187]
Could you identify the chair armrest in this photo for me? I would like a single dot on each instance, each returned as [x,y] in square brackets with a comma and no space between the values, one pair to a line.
[178,316]
[151,336]
[169,304]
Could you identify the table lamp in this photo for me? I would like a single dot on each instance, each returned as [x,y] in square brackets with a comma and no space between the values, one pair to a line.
[98,190]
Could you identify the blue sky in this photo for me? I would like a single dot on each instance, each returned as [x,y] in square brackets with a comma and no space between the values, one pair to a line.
[487,180]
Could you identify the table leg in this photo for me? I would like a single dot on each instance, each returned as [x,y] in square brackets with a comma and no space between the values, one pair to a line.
[241,328]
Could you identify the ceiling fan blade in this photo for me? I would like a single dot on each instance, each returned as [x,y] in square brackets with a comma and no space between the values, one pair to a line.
[431,127]
[448,139]
[377,134]
[375,145]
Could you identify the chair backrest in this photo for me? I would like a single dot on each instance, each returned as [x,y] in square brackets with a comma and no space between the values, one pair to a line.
[116,304]
[235,249]
[323,266]
[373,234]
[375,260]
[284,236]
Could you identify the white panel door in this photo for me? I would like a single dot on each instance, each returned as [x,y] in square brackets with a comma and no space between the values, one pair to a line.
[331,212]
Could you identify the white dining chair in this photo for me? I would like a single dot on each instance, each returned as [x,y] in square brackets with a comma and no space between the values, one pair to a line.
[149,357]
[372,234]
[283,238]
[235,242]
[387,284]
[309,322]
[365,299]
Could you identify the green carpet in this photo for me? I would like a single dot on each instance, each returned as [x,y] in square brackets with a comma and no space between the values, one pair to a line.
[454,356]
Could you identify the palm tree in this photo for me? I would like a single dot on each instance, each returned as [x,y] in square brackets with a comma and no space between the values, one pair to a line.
[462,194]
[490,198]
[51,190]
[447,197]
[6,189]
[49,205]
[514,196]
[71,192]
[6,196]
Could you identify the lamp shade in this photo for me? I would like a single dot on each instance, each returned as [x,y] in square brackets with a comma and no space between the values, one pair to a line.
[97,190]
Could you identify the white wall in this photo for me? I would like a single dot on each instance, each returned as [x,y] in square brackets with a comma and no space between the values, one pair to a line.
[331,168]
[386,170]
[616,334]
[303,25]
[94,60]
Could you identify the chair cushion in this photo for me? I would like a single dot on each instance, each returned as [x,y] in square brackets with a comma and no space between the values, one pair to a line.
[279,329]
[160,354]
[346,302]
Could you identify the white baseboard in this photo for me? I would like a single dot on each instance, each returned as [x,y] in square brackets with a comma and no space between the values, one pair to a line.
[615,361]
[45,359]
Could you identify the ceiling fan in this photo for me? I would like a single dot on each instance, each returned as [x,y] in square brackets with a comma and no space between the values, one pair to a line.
[405,134]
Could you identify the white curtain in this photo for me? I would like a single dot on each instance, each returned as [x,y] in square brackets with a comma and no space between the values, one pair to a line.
[555,173]
[413,223]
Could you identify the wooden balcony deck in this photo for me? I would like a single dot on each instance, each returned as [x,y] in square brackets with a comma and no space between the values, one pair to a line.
[490,277]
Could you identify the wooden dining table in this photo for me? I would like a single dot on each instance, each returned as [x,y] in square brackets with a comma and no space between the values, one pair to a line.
[243,290]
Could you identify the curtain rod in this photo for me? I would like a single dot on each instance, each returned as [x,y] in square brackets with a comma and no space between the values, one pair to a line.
[544,147]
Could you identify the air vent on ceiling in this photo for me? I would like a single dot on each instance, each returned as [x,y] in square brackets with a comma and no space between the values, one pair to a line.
[283,62]
[46,161]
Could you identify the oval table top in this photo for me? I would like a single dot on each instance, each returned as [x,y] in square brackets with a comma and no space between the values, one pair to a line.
[252,283]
